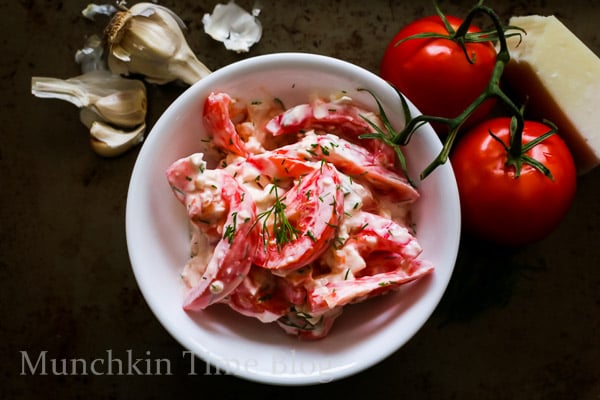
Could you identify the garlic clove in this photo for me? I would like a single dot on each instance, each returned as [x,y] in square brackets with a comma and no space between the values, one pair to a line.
[108,141]
[147,39]
[115,100]
[87,117]
[126,108]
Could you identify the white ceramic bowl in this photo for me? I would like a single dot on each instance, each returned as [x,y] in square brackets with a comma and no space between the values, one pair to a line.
[157,235]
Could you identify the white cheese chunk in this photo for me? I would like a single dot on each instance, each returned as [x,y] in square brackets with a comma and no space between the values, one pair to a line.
[559,78]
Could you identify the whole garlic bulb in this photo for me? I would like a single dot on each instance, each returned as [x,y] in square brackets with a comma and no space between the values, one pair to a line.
[147,39]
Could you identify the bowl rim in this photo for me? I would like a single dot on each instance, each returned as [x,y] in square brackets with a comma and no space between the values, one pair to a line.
[280,60]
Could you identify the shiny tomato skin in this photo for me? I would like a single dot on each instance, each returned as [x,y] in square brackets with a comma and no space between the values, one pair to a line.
[435,74]
[498,207]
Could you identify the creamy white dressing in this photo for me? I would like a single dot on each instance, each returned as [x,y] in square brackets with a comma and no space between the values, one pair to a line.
[197,160]
[254,182]
[296,114]
[397,210]
[200,254]
[208,192]
[216,287]
[254,146]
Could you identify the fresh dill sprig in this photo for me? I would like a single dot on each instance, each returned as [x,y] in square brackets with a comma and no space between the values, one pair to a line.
[388,135]
[230,229]
[283,231]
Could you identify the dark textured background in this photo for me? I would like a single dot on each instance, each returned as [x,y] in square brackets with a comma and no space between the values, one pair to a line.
[522,325]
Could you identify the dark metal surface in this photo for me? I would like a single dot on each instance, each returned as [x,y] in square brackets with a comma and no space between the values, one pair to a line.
[522,325]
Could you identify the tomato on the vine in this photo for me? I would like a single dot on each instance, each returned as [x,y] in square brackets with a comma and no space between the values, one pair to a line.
[435,73]
[496,204]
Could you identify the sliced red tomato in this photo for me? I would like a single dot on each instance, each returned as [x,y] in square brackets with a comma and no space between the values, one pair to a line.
[217,120]
[312,211]
[264,296]
[232,256]
[339,118]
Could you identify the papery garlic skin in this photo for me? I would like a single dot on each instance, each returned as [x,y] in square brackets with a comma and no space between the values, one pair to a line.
[108,141]
[114,99]
[147,39]
[91,10]
[234,26]
[91,56]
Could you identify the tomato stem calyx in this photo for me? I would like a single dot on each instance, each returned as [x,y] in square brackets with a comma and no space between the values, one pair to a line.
[516,150]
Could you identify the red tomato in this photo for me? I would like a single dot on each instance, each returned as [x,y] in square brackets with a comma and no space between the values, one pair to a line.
[264,295]
[435,74]
[500,207]
[312,208]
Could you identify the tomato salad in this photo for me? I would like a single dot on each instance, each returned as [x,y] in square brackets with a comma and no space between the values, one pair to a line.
[300,218]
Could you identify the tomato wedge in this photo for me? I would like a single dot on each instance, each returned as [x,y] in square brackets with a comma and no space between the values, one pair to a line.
[313,208]
[235,234]
[217,120]
[264,296]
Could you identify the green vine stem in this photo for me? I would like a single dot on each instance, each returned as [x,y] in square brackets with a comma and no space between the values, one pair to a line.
[515,149]
[492,90]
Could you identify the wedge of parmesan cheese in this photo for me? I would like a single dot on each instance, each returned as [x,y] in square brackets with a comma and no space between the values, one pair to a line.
[558,77]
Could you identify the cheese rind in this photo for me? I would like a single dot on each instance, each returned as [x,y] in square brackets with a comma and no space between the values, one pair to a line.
[558,77]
